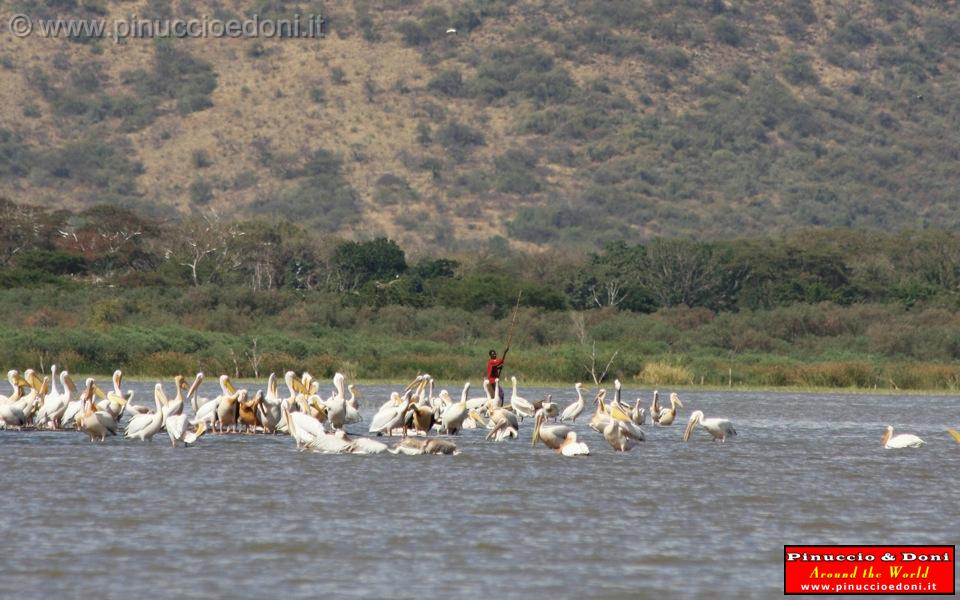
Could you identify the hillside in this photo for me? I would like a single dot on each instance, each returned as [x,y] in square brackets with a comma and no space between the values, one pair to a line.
[543,122]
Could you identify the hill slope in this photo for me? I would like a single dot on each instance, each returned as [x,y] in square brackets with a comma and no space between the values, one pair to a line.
[543,122]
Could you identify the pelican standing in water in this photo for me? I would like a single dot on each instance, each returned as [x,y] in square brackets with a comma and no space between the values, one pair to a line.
[720,429]
[903,440]
[143,427]
[452,418]
[521,406]
[571,412]
[666,416]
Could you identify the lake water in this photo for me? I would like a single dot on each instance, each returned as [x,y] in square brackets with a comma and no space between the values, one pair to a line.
[249,516]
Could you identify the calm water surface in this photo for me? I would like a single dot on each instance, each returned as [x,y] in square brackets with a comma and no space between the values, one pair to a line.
[249,516]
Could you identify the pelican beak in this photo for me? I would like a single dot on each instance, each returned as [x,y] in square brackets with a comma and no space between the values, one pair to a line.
[20,381]
[99,392]
[686,432]
[680,404]
[954,434]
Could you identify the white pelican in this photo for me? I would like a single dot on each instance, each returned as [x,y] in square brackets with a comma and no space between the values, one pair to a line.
[504,425]
[135,410]
[353,406]
[391,412]
[620,436]
[452,418]
[558,437]
[420,417]
[55,403]
[196,402]
[144,427]
[228,409]
[11,416]
[302,427]
[903,440]
[476,403]
[95,423]
[175,406]
[638,415]
[177,430]
[571,412]
[330,443]
[361,445]
[17,382]
[414,446]
[600,416]
[667,415]
[337,405]
[720,429]
[521,406]
[655,407]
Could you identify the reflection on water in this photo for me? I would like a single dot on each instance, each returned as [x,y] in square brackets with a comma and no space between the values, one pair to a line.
[250,516]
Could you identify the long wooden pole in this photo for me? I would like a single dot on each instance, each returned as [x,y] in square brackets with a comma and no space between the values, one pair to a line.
[513,321]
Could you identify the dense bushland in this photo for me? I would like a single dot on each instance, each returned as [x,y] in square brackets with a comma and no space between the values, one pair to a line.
[107,287]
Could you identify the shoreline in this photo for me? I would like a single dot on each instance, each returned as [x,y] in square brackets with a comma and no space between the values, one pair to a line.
[627,386]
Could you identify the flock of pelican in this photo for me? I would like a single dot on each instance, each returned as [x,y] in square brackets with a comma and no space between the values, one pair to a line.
[319,423]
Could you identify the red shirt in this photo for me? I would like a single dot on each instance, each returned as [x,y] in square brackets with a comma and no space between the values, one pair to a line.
[493,369]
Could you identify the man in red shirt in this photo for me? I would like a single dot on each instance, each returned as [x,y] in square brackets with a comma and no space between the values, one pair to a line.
[494,366]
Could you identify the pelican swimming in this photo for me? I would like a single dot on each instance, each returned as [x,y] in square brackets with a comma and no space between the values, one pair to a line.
[903,440]
[362,445]
[571,412]
[557,437]
[521,406]
[504,425]
[415,446]
[302,427]
[720,429]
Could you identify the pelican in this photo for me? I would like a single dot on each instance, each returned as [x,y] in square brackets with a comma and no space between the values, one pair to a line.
[175,406]
[17,382]
[557,437]
[422,418]
[330,443]
[521,406]
[720,429]
[362,445]
[667,415]
[391,416]
[620,437]
[228,409]
[655,407]
[903,440]
[95,423]
[600,416]
[11,416]
[248,412]
[503,425]
[135,410]
[353,406]
[302,427]
[337,405]
[452,418]
[638,415]
[196,402]
[144,426]
[177,430]
[475,403]
[55,403]
[413,446]
[571,412]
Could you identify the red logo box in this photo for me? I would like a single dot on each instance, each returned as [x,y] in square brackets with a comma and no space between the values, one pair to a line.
[869,569]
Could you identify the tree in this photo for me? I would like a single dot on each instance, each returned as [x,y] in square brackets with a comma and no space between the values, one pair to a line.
[683,272]
[612,278]
[356,263]
[205,240]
